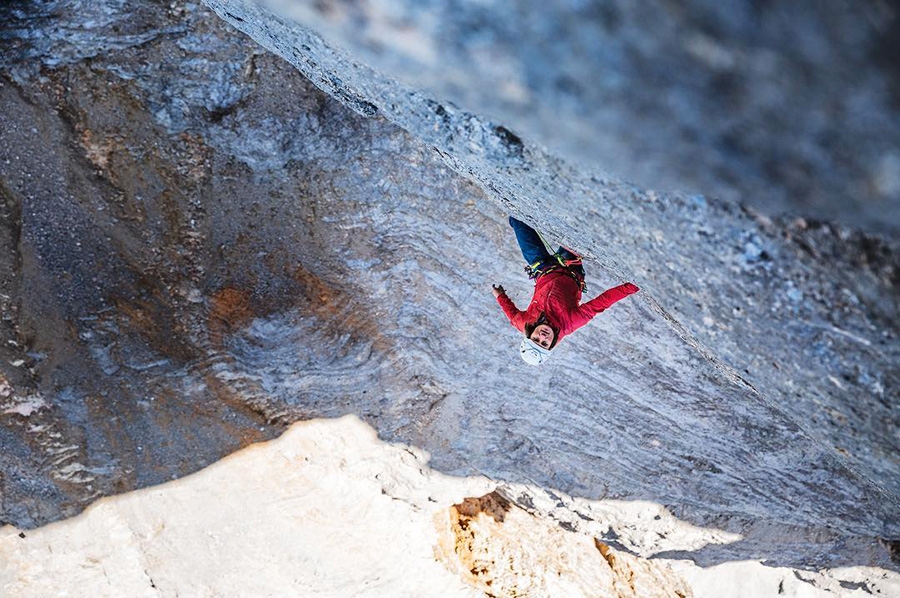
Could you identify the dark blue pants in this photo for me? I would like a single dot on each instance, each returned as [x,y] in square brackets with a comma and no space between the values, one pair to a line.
[534,251]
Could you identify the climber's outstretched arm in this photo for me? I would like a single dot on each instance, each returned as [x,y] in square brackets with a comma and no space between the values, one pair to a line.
[606,299]
[516,317]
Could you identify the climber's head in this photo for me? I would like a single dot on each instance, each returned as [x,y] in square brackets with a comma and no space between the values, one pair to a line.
[540,338]
[543,335]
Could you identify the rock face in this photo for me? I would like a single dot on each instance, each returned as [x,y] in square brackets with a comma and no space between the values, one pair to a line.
[750,338]
[787,108]
[503,550]
[203,247]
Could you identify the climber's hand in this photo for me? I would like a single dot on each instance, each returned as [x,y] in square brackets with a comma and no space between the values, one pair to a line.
[499,290]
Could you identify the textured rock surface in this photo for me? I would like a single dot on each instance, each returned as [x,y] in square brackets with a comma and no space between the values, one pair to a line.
[788,107]
[201,247]
[727,283]
[329,510]
[505,551]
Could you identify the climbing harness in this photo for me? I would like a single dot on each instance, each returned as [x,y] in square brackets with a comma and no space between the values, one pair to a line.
[542,267]
[576,261]
[572,267]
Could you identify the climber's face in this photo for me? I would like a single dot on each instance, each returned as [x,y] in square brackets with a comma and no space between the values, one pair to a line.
[542,335]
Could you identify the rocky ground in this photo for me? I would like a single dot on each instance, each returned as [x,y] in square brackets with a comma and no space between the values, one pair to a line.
[203,247]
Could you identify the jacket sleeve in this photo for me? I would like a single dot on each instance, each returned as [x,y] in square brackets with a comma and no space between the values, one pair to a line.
[603,301]
[516,317]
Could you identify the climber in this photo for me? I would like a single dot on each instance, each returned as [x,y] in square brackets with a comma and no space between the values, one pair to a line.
[555,310]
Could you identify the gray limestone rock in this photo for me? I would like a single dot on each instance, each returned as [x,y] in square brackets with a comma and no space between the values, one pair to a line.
[786,107]
[207,241]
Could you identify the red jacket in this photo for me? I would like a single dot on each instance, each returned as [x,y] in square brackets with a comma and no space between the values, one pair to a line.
[558,295]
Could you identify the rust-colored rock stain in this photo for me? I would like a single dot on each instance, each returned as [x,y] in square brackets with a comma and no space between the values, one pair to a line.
[493,505]
[229,309]
[507,552]
[339,312]
[480,572]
